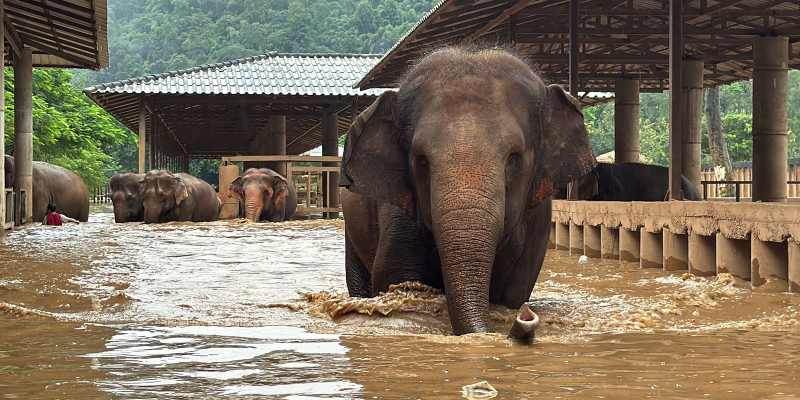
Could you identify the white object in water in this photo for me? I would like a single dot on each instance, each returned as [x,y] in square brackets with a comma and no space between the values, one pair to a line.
[583,260]
[479,391]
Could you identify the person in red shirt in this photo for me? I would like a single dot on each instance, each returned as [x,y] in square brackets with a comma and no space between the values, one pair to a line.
[54,218]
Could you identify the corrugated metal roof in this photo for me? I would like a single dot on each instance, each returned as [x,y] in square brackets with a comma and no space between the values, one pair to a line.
[269,74]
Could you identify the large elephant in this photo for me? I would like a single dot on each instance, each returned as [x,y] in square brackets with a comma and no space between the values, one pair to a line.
[56,185]
[265,195]
[451,177]
[126,195]
[628,182]
[177,197]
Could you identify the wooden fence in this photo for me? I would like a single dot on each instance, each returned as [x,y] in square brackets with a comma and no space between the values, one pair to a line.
[100,195]
[717,189]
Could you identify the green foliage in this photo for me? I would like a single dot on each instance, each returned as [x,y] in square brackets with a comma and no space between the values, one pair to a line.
[69,129]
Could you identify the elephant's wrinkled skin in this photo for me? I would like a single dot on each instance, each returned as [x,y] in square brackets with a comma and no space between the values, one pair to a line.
[54,184]
[126,195]
[450,181]
[177,197]
[265,195]
[629,182]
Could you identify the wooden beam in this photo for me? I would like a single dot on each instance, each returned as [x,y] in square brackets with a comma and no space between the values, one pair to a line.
[505,16]
[12,37]
[573,47]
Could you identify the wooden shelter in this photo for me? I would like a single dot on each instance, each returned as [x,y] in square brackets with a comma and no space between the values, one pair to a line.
[43,33]
[630,46]
[273,104]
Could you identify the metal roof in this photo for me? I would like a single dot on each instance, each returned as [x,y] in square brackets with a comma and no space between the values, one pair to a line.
[61,33]
[273,74]
[218,109]
[617,38]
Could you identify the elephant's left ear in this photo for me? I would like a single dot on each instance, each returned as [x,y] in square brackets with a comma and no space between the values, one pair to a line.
[566,153]
[181,193]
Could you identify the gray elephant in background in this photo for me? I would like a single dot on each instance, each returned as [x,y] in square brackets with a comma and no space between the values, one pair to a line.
[628,182]
[126,196]
[56,185]
[177,197]
[265,195]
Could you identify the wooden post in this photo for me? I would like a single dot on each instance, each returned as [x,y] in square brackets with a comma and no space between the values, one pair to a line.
[142,136]
[626,121]
[23,141]
[330,147]
[277,141]
[676,109]
[2,126]
[573,47]
[770,118]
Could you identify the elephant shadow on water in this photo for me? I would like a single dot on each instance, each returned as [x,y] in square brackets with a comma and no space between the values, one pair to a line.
[449,182]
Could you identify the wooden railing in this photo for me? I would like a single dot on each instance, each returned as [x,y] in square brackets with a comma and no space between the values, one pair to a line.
[310,175]
[738,185]
[100,195]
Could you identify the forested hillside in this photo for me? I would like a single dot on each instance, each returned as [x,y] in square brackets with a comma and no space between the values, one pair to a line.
[152,36]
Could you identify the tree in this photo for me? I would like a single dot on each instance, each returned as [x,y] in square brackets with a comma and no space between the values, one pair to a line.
[717,145]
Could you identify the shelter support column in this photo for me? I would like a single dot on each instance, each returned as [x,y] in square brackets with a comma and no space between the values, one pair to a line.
[626,121]
[142,137]
[330,147]
[770,118]
[693,96]
[23,141]
[277,141]
[2,127]
[676,109]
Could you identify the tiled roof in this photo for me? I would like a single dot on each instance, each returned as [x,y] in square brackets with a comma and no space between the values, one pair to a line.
[270,74]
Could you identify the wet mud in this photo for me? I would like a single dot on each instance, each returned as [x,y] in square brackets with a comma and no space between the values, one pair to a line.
[239,310]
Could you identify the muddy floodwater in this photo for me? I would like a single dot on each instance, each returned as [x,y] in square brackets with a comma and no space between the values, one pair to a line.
[239,310]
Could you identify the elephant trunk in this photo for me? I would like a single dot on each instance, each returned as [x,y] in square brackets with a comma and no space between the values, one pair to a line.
[152,215]
[253,205]
[467,224]
[524,328]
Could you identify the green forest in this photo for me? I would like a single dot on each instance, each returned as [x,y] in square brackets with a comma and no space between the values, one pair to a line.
[153,36]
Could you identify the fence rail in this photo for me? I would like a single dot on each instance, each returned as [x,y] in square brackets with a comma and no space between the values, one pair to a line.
[738,185]
[100,195]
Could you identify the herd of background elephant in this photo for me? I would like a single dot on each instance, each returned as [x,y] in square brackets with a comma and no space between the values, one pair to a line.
[447,181]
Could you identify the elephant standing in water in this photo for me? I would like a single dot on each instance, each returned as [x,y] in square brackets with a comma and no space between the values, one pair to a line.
[450,181]
[265,195]
[126,195]
[54,185]
[177,197]
[629,182]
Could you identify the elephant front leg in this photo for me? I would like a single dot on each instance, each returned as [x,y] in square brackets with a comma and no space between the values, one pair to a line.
[356,273]
[404,253]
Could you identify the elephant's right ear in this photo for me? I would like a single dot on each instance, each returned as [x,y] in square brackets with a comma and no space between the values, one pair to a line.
[236,188]
[374,162]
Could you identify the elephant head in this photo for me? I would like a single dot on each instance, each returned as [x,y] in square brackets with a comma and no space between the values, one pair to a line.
[126,195]
[469,143]
[263,193]
[8,165]
[162,195]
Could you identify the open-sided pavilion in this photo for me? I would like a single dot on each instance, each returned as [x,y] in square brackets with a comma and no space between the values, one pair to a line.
[273,104]
[633,46]
[43,33]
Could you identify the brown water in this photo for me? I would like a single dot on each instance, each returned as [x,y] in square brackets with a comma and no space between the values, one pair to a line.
[237,310]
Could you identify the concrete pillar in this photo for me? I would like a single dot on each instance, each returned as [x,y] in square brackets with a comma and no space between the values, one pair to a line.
[629,245]
[575,239]
[733,257]
[693,97]
[277,142]
[592,241]
[551,241]
[770,118]
[2,128]
[651,254]
[769,265]
[23,123]
[676,251]
[702,255]
[626,121]
[794,266]
[609,243]
[562,236]
[330,147]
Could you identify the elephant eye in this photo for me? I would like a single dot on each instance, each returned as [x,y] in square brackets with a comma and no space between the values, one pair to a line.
[421,162]
[513,164]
